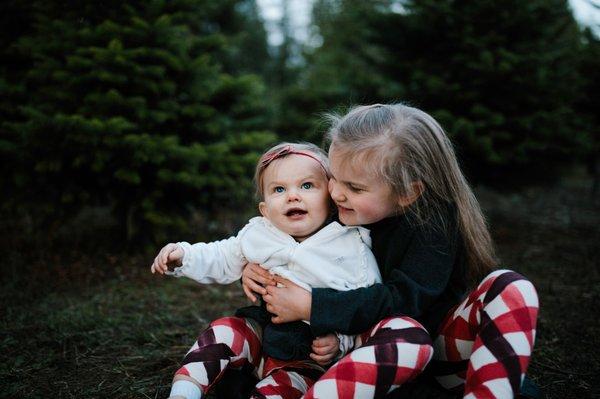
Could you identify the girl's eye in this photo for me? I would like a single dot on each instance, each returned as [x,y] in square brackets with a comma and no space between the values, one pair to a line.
[307,186]
[279,189]
[355,189]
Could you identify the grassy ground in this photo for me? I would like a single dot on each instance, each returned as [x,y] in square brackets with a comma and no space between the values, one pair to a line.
[75,325]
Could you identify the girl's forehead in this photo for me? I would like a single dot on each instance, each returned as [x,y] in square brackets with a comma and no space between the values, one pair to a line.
[353,167]
[293,166]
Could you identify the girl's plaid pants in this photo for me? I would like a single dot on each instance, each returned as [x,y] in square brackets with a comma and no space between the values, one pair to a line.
[483,349]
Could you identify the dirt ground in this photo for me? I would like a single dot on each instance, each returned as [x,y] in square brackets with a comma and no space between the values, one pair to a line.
[76,324]
[552,236]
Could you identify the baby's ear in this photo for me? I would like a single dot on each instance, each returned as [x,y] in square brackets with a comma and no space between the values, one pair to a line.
[417,189]
[262,208]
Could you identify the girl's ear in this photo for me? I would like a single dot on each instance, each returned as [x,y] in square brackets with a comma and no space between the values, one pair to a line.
[262,209]
[417,189]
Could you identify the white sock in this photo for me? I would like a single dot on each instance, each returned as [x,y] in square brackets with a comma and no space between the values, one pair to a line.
[185,388]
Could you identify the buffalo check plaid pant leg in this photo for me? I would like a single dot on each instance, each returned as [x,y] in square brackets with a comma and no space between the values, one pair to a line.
[391,353]
[227,342]
[485,344]
[235,342]
[286,383]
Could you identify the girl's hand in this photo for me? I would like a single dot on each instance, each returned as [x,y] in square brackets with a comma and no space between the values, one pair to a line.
[254,278]
[288,302]
[325,349]
[169,255]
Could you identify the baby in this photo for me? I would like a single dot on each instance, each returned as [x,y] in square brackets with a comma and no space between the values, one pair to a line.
[295,238]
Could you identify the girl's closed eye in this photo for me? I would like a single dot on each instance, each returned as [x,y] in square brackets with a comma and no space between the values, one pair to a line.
[355,189]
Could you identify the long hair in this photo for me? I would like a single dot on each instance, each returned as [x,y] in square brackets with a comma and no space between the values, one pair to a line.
[404,145]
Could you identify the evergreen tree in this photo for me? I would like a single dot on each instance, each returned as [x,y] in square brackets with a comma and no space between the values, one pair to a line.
[500,76]
[284,69]
[134,105]
[341,71]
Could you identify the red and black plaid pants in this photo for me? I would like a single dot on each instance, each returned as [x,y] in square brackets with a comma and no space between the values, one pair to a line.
[483,348]
[235,342]
[485,343]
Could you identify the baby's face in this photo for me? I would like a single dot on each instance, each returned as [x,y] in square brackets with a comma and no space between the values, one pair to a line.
[296,198]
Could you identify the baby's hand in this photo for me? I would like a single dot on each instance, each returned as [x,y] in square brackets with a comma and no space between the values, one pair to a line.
[170,255]
[325,349]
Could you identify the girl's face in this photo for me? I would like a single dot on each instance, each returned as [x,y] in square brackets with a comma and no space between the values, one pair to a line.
[361,198]
[296,199]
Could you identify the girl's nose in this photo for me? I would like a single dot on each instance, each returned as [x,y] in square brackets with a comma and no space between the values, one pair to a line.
[335,192]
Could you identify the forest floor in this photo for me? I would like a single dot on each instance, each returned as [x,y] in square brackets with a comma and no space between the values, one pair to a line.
[74,324]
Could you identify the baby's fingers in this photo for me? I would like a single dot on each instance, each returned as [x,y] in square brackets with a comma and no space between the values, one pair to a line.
[322,360]
[329,340]
[164,255]
[155,268]
[321,350]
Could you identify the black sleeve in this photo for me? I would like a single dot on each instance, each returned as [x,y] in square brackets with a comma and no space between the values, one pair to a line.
[411,287]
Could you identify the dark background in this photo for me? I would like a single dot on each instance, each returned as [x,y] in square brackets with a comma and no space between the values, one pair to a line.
[126,125]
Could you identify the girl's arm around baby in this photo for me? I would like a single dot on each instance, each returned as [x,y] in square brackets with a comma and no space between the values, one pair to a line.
[415,282]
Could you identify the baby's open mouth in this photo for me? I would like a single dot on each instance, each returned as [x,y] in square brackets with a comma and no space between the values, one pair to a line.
[295,212]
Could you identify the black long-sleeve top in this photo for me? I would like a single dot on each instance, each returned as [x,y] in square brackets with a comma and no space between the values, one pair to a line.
[423,273]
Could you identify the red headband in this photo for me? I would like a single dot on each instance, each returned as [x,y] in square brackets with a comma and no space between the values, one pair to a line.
[269,157]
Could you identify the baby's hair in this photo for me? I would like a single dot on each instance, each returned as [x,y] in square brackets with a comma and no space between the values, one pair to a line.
[403,145]
[282,150]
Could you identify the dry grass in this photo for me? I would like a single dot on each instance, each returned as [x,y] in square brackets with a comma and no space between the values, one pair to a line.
[120,334]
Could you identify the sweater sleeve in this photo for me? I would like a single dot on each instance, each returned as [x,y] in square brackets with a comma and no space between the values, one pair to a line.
[411,286]
[214,262]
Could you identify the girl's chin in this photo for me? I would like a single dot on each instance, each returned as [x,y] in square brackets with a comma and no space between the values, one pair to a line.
[346,218]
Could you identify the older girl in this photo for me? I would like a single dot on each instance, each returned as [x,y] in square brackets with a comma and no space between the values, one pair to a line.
[394,171]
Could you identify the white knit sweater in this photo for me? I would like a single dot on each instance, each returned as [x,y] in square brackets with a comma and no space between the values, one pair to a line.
[336,256]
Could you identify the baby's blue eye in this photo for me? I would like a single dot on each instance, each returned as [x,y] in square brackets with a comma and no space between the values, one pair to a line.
[306,186]
[279,189]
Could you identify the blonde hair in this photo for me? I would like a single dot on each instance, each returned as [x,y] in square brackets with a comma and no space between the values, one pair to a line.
[282,150]
[410,146]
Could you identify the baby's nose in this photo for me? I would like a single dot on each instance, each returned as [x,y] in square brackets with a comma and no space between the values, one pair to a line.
[294,195]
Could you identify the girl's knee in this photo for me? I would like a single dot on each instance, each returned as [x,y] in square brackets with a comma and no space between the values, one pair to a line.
[233,338]
[512,287]
[401,337]
[228,328]
[392,328]
[229,321]
[403,329]
[400,323]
